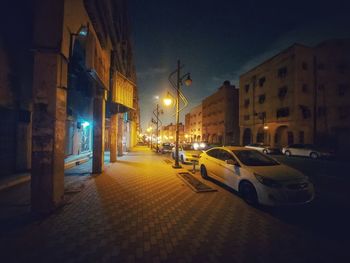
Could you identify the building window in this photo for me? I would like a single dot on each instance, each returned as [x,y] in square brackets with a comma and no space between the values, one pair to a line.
[246,103]
[342,89]
[282,92]
[301,137]
[246,87]
[262,98]
[254,81]
[305,111]
[262,81]
[246,117]
[282,72]
[282,112]
[304,65]
[305,88]
[261,115]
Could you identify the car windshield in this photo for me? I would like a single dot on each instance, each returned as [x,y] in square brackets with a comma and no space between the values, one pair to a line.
[254,158]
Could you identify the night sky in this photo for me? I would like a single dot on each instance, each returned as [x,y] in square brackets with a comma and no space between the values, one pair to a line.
[219,40]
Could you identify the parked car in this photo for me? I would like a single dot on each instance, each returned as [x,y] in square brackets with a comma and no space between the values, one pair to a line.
[258,178]
[307,150]
[187,153]
[165,148]
[264,148]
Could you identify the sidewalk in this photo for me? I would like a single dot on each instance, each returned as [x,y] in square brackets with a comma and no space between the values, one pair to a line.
[140,211]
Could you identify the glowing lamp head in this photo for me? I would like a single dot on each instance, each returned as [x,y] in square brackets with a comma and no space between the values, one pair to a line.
[266,127]
[83,30]
[188,80]
[85,124]
[167,101]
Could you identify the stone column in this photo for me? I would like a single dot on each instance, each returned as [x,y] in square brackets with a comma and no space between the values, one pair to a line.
[120,134]
[48,131]
[113,138]
[98,131]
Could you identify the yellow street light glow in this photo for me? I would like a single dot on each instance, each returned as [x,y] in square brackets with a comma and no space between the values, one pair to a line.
[266,127]
[167,101]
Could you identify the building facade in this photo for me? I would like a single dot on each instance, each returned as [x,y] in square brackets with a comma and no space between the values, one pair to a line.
[187,127]
[220,116]
[195,124]
[168,133]
[301,95]
[60,79]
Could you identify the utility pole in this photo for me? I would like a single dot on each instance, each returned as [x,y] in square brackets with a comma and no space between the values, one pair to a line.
[315,101]
[177,165]
[156,112]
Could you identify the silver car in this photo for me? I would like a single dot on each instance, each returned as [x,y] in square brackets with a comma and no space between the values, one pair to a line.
[187,153]
[307,150]
[264,148]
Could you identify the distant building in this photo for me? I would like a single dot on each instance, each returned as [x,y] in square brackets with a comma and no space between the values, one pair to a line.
[220,116]
[187,126]
[195,128]
[301,95]
[168,133]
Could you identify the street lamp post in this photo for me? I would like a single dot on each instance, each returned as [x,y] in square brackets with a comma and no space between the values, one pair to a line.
[179,95]
[156,112]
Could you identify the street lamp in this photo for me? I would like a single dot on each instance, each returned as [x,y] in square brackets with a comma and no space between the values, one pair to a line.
[156,113]
[167,100]
[179,94]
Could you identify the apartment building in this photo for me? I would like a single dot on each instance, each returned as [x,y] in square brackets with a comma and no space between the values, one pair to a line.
[194,131]
[168,133]
[301,95]
[220,116]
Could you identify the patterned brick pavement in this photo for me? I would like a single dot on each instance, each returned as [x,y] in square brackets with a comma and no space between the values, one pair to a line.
[140,211]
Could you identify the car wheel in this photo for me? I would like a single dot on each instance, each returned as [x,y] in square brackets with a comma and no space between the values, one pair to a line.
[182,159]
[248,193]
[313,155]
[204,172]
[287,153]
[264,151]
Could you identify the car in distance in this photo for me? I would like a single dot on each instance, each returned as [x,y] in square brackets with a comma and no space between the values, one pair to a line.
[307,150]
[258,178]
[188,152]
[165,148]
[264,148]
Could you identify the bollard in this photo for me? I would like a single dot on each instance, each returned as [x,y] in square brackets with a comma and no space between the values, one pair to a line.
[194,166]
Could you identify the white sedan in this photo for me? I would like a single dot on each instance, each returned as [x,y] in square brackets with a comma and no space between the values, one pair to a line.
[257,177]
[306,150]
[267,149]
[187,153]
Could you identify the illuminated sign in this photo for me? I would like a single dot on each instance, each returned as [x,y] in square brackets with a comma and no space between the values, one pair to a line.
[123,91]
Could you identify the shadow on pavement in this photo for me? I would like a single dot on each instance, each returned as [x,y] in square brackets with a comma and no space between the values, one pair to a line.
[325,217]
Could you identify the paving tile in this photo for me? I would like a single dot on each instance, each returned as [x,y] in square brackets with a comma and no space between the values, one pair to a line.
[140,211]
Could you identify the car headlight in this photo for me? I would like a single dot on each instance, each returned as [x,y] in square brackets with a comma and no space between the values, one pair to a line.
[202,145]
[268,182]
